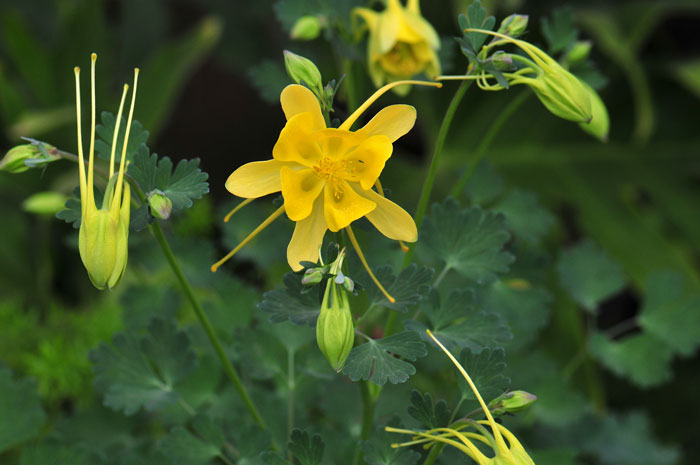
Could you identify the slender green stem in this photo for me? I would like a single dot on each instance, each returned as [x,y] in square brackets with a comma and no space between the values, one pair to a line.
[434,454]
[486,141]
[369,402]
[291,385]
[204,320]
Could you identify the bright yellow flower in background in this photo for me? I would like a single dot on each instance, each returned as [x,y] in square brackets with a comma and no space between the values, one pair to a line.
[401,44]
[326,175]
[104,232]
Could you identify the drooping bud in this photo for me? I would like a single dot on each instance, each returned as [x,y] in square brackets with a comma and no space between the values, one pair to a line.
[302,69]
[306,28]
[513,25]
[563,94]
[502,61]
[335,331]
[599,126]
[160,204]
[511,402]
[44,203]
[13,161]
[578,52]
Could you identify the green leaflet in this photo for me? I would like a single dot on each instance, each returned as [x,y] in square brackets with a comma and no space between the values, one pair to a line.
[22,415]
[105,135]
[428,414]
[375,359]
[485,368]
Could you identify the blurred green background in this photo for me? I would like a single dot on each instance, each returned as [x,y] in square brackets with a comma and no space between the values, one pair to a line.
[211,74]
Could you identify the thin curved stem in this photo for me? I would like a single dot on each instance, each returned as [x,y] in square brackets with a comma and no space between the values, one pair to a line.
[368,404]
[486,141]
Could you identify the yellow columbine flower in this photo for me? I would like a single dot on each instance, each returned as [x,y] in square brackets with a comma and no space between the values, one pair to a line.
[510,453]
[104,232]
[326,175]
[401,44]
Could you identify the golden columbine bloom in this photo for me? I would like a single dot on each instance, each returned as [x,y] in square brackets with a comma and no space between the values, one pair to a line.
[326,175]
[505,453]
[401,43]
[104,232]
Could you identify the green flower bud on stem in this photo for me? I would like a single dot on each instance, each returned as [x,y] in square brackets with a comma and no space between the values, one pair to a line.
[306,28]
[44,203]
[599,126]
[160,204]
[13,161]
[302,69]
[513,25]
[511,402]
[335,331]
[578,52]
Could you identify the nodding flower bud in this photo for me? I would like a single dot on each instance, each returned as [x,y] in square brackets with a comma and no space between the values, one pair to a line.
[13,161]
[513,25]
[563,94]
[302,69]
[599,126]
[502,61]
[44,203]
[335,331]
[511,402]
[578,52]
[306,28]
[160,204]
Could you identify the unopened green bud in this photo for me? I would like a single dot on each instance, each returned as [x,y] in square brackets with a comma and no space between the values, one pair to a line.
[160,204]
[599,126]
[44,203]
[511,402]
[563,93]
[335,331]
[306,28]
[13,161]
[314,275]
[502,61]
[349,284]
[513,25]
[578,52]
[302,69]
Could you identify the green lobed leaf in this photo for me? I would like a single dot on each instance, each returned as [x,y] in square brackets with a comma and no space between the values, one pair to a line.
[476,18]
[22,416]
[671,312]
[589,275]
[641,358]
[456,321]
[409,288]
[375,359]
[468,240]
[378,450]
[485,368]
[140,373]
[291,303]
[105,132]
[527,219]
[560,32]
[308,450]
[186,183]
[428,414]
[184,448]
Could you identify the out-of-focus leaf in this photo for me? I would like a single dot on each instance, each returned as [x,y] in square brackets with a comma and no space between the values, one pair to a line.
[555,456]
[53,450]
[485,185]
[485,368]
[142,373]
[183,448]
[527,219]
[589,274]
[641,358]
[22,416]
[378,450]
[560,32]
[376,360]
[307,449]
[468,240]
[269,77]
[167,70]
[688,73]
[301,308]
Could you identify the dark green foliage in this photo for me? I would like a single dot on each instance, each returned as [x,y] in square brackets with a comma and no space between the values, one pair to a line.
[22,416]
[468,240]
[428,414]
[561,31]
[527,219]
[186,183]
[135,373]
[485,368]
[291,303]
[409,288]
[308,450]
[476,18]
[105,132]
[72,214]
[376,360]
[378,450]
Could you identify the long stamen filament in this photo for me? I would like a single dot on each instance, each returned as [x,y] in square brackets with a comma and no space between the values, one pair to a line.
[116,130]
[238,207]
[91,162]
[250,236]
[125,143]
[356,245]
[81,164]
[347,124]
[472,451]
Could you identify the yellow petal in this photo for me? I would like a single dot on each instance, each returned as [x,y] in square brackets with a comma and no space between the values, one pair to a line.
[413,6]
[367,161]
[342,205]
[370,16]
[423,29]
[300,189]
[297,142]
[390,219]
[337,143]
[298,99]
[307,237]
[256,179]
[393,121]
[388,28]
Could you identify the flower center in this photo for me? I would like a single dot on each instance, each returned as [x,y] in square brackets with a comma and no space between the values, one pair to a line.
[333,171]
[402,60]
